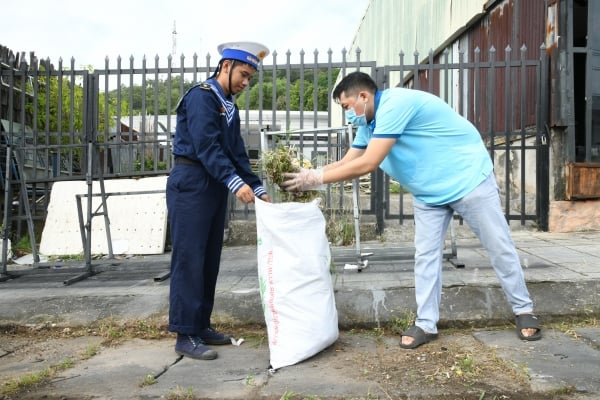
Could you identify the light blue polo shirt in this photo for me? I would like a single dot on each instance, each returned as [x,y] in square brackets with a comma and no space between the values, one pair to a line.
[439,155]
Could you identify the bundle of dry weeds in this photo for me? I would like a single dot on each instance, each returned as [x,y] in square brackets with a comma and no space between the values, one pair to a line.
[277,162]
[284,158]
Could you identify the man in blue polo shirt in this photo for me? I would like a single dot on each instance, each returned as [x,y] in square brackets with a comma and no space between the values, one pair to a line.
[438,155]
[210,161]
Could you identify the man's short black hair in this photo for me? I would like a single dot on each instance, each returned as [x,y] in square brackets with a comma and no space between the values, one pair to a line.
[353,83]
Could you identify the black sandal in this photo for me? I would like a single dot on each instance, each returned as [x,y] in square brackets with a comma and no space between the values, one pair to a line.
[419,335]
[528,321]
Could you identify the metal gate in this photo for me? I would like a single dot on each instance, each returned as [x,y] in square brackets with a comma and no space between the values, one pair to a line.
[52,115]
[507,100]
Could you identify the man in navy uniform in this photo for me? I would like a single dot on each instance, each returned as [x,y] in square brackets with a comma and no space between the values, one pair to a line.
[210,161]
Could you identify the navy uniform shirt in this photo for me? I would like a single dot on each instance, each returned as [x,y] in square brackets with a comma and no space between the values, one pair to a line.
[208,131]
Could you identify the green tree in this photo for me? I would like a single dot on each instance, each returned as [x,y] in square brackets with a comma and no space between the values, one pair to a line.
[294,89]
[142,97]
[56,114]
[59,107]
[168,93]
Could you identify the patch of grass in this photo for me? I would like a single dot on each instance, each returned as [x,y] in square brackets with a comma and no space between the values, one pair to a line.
[288,396]
[111,331]
[464,366]
[565,390]
[401,323]
[90,352]
[147,329]
[35,378]
[114,331]
[148,380]
[340,228]
[65,364]
[66,257]
[569,326]
[22,247]
[250,380]
[181,394]
[259,341]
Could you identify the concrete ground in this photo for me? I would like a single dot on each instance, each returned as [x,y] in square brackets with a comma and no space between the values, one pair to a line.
[562,273]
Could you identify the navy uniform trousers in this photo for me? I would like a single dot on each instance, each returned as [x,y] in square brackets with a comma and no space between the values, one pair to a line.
[196,205]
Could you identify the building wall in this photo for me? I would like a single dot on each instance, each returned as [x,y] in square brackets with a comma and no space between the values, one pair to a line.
[422,25]
[392,27]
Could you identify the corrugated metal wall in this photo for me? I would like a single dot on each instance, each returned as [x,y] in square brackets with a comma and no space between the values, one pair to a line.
[469,31]
[391,26]
[510,25]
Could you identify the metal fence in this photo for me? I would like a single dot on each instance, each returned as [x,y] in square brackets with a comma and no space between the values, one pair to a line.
[51,115]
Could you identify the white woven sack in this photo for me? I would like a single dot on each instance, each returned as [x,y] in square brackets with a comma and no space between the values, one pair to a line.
[295,281]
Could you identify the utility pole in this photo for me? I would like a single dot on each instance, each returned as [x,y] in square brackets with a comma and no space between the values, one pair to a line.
[174,36]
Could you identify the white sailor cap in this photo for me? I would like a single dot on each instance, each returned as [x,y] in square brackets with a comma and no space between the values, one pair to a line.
[249,52]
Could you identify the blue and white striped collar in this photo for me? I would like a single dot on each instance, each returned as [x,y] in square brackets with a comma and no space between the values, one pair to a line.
[226,102]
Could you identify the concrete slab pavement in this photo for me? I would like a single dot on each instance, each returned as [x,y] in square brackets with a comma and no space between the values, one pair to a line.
[559,367]
[562,271]
[556,362]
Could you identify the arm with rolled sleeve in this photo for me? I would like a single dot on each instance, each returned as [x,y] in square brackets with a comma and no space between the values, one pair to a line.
[242,165]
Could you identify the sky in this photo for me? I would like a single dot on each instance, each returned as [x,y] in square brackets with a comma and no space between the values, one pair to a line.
[91,31]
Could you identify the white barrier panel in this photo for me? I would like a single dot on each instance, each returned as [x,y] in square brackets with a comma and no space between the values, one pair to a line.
[138,222]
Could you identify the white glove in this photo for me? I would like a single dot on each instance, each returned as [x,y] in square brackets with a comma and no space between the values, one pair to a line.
[306,179]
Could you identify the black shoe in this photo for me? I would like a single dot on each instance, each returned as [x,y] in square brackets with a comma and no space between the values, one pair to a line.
[212,337]
[193,347]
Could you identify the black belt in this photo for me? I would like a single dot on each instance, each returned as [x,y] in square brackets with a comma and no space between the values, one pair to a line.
[187,161]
